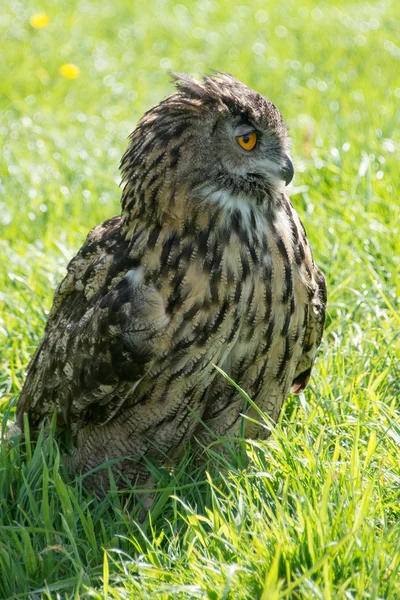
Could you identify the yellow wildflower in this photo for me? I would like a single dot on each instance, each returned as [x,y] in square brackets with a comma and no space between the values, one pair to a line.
[39,20]
[70,71]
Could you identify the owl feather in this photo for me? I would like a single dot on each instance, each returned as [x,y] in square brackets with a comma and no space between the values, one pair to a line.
[207,265]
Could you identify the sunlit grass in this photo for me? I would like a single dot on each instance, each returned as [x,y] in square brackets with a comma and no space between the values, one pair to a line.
[313,513]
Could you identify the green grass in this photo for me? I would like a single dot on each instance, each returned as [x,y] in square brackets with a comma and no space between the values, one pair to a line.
[313,513]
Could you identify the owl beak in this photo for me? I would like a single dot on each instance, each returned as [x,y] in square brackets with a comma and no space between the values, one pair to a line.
[287,171]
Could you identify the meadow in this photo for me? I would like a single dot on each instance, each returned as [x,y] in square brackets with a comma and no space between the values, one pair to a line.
[314,512]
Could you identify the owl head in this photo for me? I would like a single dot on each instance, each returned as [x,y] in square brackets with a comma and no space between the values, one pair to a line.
[218,139]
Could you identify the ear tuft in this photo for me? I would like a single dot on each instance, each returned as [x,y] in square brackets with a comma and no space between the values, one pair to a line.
[188,85]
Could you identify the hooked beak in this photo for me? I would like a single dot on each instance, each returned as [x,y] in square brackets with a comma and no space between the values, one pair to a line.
[287,171]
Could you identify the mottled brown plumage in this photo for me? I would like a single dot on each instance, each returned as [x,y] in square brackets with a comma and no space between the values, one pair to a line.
[208,264]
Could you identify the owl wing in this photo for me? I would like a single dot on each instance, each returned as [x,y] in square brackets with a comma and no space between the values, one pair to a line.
[313,334]
[98,339]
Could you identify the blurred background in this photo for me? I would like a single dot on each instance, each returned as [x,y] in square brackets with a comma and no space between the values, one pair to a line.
[332,69]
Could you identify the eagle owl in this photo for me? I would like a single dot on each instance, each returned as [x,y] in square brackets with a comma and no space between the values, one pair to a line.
[207,265]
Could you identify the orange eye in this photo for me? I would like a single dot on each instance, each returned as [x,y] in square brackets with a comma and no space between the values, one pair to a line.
[247,141]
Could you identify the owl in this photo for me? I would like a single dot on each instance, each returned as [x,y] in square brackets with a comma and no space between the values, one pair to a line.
[208,265]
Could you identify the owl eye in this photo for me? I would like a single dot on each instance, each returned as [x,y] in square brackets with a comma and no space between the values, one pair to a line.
[248,140]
